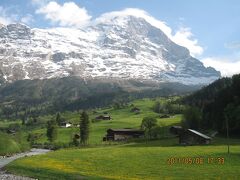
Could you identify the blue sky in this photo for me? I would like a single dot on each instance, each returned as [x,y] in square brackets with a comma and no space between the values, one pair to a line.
[209,28]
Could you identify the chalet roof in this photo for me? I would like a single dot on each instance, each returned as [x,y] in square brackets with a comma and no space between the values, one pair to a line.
[177,127]
[199,134]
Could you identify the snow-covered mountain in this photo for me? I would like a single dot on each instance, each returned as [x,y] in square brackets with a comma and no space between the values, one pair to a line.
[124,47]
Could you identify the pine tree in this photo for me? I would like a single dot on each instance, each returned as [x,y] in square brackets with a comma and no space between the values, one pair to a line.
[51,130]
[84,128]
[58,119]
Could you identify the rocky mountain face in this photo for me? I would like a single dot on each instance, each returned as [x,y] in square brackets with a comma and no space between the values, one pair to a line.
[126,47]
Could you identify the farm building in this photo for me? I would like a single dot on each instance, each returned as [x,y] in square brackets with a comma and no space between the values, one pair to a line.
[122,134]
[190,137]
[164,116]
[103,117]
[135,109]
[65,124]
[10,131]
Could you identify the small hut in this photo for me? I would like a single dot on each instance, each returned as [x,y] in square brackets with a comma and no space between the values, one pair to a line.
[135,110]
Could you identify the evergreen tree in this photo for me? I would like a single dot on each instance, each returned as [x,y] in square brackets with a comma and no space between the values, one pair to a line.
[192,117]
[58,119]
[84,128]
[51,130]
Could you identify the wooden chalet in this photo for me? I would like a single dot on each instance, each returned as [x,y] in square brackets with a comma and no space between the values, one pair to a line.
[103,117]
[122,134]
[135,109]
[65,124]
[164,116]
[190,137]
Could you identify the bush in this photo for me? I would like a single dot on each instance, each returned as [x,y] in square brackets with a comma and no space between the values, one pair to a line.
[148,123]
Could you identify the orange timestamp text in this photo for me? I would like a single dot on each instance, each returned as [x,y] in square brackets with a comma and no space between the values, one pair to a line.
[195,160]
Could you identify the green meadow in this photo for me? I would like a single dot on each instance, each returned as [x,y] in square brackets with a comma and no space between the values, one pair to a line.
[121,118]
[134,161]
[130,160]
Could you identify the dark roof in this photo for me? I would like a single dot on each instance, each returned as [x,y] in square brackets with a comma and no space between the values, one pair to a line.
[199,134]
[177,127]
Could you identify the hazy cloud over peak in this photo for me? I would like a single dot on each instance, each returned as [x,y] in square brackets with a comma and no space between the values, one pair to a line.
[68,14]
[183,36]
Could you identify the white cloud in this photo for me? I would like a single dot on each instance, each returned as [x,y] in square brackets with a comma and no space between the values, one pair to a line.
[137,13]
[5,17]
[223,65]
[27,19]
[183,36]
[68,14]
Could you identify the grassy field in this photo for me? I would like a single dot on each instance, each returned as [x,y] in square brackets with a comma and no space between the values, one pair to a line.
[134,161]
[122,118]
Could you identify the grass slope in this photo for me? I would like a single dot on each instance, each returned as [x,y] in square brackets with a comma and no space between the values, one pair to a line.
[133,161]
[122,118]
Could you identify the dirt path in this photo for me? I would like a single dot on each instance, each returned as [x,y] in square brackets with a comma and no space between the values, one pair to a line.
[6,160]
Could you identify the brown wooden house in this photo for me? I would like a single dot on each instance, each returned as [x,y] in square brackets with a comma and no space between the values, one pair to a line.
[190,137]
[135,110]
[122,134]
[103,117]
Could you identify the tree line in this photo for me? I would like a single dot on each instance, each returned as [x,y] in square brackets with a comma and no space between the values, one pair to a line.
[216,105]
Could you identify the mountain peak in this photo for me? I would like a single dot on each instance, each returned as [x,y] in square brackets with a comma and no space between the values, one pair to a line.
[118,46]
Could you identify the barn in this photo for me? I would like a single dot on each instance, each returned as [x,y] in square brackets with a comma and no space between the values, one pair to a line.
[123,134]
[191,137]
[103,117]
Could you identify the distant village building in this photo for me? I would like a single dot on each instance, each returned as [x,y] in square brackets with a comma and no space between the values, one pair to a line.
[65,124]
[165,116]
[135,109]
[190,137]
[123,134]
[103,117]
[10,131]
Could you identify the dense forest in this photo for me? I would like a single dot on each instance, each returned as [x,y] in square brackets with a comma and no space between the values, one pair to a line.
[219,104]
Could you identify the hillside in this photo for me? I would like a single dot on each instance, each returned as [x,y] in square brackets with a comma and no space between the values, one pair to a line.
[219,102]
[73,93]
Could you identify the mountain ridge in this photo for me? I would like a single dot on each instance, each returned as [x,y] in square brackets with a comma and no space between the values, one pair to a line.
[126,47]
